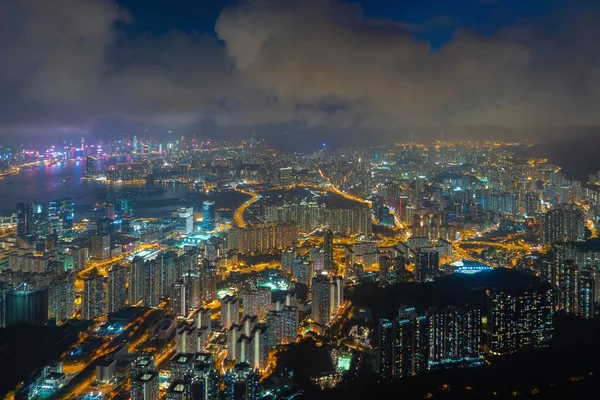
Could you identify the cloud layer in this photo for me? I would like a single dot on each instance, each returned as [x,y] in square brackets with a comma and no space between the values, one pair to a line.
[308,63]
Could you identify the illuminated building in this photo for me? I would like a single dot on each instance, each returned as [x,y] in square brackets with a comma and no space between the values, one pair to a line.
[60,215]
[207,382]
[230,311]
[101,247]
[328,249]
[61,297]
[520,320]
[145,386]
[586,302]
[105,226]
[180,301]
[261,238]
[187,339]
[454,334]
[24,305]
[287,259]
[180,390]
[282,322]
[92,301]
[202,318]
[303,271]
[248,342]
[427,265]
[565,223]
[116,288]
[136,281]
[32,220]
[90,168]
[242,382]
[209,215]
[185,220]
[209,288]
[322,300]
[386,348]
[410,343]
[317,256]
[256,302]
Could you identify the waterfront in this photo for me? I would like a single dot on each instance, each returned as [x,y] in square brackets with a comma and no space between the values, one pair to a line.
[49,182]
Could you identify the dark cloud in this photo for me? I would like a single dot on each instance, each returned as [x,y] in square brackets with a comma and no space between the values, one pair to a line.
[315,63]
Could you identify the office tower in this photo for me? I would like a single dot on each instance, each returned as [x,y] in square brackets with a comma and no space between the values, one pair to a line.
[209,215]
[454,334]
[565,223]
[128,223]
[185,220]
[386,348]
[287,259]
[90,168]
[61,215]
[116,288]
[25,305]
[256,302]
[32,220]
[180,299]
[519,320]
[321,301]
[101,247]
[105,226]
[328,249]
[145,386]
[61,297]
[92,301]
[428,264]
[230,311]
[586,302]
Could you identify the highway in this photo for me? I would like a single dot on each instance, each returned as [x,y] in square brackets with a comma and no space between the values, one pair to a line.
[238,216]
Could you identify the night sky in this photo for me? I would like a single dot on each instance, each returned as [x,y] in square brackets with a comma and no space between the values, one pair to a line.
[377,67]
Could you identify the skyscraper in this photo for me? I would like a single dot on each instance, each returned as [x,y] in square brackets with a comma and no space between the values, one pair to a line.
[90,168]
[185,221]
[321,301]
[61,297]
[403,344]
[32,220]
[455,334]
[61,215]
[328,249]
[519,320]
[230,311]
[92,301]
[25,305]
[116,288]
[145,386]
[386,348]
[209,215]
[427,268]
